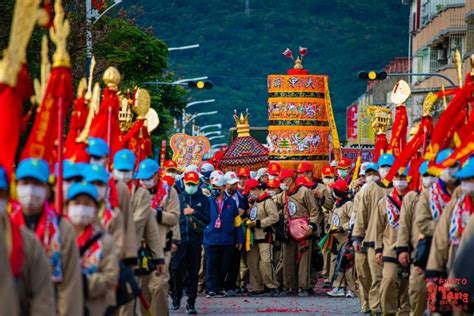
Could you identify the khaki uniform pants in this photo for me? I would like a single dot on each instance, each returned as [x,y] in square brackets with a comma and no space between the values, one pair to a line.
[243,277]
[364,280]
[417,293]
[327,267]
[376,276]
[278,262]
[394,291]
[296,275]
[158,287]
[259,261]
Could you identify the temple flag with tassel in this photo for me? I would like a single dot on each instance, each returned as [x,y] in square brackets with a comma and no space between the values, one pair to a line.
[401,92]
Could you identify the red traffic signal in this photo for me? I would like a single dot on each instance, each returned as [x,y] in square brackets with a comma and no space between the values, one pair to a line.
[372,75]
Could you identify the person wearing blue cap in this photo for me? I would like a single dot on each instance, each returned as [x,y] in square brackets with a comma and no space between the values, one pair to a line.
[124,163]
[408,237]
[451,226]
[364,233]
[394,284]
[24,268]
[55,233]
[165,203]
[71,175]
[110,217]
[98,151]
[99,261]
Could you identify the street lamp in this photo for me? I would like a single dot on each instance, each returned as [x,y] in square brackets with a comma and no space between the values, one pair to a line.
[182,82]
[211,133]
[183,47]
[219,126]
[218,145]
[92,16]
[216,137]
[199,102]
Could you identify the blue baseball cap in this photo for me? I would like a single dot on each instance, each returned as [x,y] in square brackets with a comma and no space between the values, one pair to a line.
[424,167]
[82,188]
[3,179]
[467,169]
[146,169]
[124,160]
[97,147]
[70,170]
[33,168]
[95,172]
[372,166]
[443,155]
[386,160]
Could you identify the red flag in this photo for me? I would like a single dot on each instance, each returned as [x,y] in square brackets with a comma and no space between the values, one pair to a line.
[287,53]
[105,124]
[76,125]
[42,141]
[11,111]
[303,51]
[381,145]
[138,140]
[399,131]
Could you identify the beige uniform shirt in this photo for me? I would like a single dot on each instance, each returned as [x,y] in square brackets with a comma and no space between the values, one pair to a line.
[328,199]
[145,222]
[341,217]
[301,203]
[116,228]
[408,232]
[364,227]
[69,298]
[265,212]
[9,304]
[169,217]
[424,218]
[442,252]
[102,284]
[130,240]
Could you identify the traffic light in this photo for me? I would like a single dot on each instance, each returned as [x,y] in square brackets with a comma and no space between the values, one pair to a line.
[201,84]
[372,75]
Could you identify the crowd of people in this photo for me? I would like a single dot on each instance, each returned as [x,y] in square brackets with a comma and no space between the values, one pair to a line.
[135,238]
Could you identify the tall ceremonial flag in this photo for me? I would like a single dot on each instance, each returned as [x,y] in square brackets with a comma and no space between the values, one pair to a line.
[46,138]
[106,124]
[15,83]
[77,122]
[400,93]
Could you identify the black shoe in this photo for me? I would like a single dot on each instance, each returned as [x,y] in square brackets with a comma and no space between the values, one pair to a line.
[190,309]
[311,292]
[256,293]
[290,292]
[303,293]
[211,294]
[327,285]
[274,292]
[176,304]
[243,290]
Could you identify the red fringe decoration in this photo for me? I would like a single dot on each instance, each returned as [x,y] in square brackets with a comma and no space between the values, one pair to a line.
[381,146]
[399,131]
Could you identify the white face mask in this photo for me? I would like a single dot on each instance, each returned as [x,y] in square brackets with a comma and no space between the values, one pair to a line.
[190,189]
[328,180]
[400,185]
[372,178]
[172,175]
[252,196]
[428,181]
[125,176]
[271,177]
[447,175]
[271,193]
[467,188]
[81,214]
[3,206]
[149,183]
[343,173]
[102,192]
[31,196]
[383,171]
[283,187]
[100,161]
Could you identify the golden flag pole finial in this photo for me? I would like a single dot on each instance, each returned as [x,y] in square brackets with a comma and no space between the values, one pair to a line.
[459,67]
[59,34]
[444,97]
[40,85]
[90,79]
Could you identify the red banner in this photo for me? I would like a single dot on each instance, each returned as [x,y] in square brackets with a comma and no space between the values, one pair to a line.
[352,119]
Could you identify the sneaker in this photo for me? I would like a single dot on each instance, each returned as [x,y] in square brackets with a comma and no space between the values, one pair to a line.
[350,294]
[336,292]
[327,285]
[244,289]
[211,295]
[230,293]
[176,304]
[274,292]
[220,294]
[190,309]
[290,292]
[303,293]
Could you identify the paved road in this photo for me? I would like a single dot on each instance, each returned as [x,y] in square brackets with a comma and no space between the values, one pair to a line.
[320,304]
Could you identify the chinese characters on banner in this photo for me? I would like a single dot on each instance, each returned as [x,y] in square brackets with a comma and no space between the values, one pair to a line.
[352,122]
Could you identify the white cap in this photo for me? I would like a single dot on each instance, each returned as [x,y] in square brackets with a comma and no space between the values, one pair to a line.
[231,177]
[216,173]
[218,180]
[261,172]
[191,168]
[253,174]
[207,167]
[363,166]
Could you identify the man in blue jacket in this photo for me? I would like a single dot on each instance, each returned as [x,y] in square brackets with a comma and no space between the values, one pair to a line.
[193,220]
[221,236]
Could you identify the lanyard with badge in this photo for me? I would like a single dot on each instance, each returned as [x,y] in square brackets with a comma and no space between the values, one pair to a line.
[220,205]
